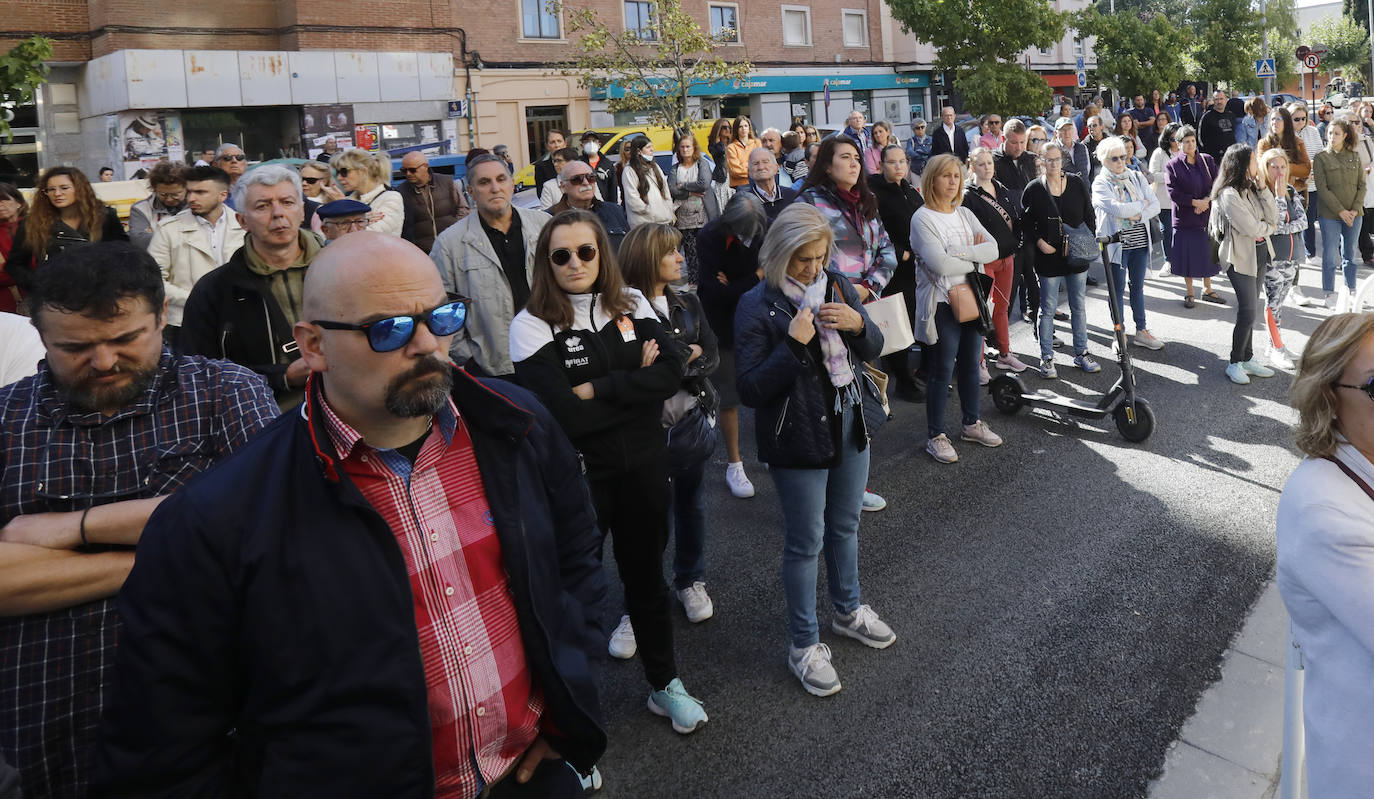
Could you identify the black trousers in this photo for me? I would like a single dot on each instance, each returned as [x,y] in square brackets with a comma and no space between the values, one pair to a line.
[1247,299]
[1366,228]
[552,779]
[632,507]
[1025,286]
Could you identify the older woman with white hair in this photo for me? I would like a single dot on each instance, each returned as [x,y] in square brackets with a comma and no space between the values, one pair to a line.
[366,177]
[1326,551]
[801,338]
[1125,203]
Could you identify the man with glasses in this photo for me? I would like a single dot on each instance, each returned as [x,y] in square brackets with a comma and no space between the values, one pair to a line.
[433,202]
[231,159]
[488,256]
[1312,140]
[195,242]
[111,424]
[410,605]
[341,217]
[578,182]
[168,199]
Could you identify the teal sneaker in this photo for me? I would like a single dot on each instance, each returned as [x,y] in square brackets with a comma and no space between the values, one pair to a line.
[1257,369]
[1236,373]
[686,711]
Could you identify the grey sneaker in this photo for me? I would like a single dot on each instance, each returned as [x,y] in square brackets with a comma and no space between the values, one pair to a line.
[1086,363]
[864,626]
[1047,369]
[1146,339]
[812,667]
[980,433]
[941,450]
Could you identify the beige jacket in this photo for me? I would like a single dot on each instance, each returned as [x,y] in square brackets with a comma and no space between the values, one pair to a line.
[1240,219]
[182,249]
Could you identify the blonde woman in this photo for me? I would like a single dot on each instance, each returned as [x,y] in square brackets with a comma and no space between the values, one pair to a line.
[1287,246]
[949,243]
[366,177]
[315,179]
[1326,551]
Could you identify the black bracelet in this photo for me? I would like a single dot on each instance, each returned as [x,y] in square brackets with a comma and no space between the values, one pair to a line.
[84,542]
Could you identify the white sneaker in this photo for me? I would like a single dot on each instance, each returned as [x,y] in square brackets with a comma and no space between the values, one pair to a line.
[864,626]
[623,644]
[1146,339]
[1330,302]
[738,481]
[812,666]
[696,602]
[983,376]
[980,433]
[941,450]
[1165,269]
[1302,299]
[1278,358]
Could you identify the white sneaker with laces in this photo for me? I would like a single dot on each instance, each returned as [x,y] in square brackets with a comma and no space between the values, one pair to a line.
[1146,339]
[864,626]
[623,645]
[1278,358]
[812,666]
[738,481]
[941,450]
[980,433]
[696,602]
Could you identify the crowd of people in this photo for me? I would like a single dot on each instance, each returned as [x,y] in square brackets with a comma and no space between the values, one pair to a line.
[438,404]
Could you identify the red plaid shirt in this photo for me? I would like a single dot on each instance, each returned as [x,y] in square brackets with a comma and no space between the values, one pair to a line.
[484,706]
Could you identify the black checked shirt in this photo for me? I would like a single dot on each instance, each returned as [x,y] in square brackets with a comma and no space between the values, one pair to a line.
[54,665]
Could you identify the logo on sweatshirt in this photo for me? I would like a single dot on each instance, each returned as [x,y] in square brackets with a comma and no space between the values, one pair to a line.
[574,343]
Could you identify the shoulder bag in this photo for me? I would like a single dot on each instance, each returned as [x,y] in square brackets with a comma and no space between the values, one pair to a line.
[1349,472]
[1078,245]
[968,300]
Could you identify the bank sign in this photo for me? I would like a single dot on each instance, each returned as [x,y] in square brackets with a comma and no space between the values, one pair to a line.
[781,84]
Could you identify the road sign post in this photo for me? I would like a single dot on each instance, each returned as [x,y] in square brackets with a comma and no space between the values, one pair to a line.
[1082,80]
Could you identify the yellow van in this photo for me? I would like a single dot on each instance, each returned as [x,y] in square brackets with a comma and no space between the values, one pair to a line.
[661,136]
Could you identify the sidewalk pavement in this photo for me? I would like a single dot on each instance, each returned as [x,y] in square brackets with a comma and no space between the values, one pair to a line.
[1231,748]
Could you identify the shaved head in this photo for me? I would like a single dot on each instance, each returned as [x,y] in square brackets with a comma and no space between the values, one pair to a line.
[358,274]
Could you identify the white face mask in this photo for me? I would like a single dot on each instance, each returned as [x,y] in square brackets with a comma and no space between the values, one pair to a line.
[646,156]
[590,148]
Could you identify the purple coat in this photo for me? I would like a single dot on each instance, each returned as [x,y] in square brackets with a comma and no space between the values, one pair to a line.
[1187,182]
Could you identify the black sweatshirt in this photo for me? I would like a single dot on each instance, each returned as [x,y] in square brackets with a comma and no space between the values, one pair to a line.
[1041,221]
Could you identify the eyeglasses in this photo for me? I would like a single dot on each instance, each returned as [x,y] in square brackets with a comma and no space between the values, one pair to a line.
[1367,388]
[170,195]
[561,256]
[584,179]
[343,171]
[311,181]
[410,170]
[1116,158]
[995,122]
[228,157]
[1038,140]
[58,189]
[394,332]
[360,223]
[919,127]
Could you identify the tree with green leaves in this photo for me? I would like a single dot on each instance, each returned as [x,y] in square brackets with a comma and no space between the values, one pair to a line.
[1229,36]
[1347,44]
[22,70]
[1136,50]
[981,42]
[656,67]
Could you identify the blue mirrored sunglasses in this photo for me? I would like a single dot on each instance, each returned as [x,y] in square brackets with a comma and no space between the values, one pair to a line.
[394,332]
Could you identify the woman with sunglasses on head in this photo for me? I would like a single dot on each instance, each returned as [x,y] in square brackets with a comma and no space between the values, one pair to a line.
[801,338]
[1286,244]
[64,211]
[1244,216]
[366,177]
[595,353]
[650,260]
[1326,551]
[644,187]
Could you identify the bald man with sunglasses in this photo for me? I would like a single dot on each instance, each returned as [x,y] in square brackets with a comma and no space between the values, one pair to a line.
[410,603]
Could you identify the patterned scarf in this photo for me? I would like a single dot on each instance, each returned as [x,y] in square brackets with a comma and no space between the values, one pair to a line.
[833,348]
[1127,190]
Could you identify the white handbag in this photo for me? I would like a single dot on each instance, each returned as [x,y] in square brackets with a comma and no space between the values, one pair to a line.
[891,316]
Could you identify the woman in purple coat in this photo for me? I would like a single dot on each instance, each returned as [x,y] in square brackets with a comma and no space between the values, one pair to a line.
[1188,178]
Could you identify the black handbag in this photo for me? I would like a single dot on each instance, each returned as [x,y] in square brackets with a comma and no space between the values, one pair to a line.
[982,290]
[691,440]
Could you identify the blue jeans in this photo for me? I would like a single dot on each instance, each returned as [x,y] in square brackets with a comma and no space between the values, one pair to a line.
[955,343]
[1136,262]
[820,511]
[688,524]
[1077,288]
[1166,220]
[1340,247]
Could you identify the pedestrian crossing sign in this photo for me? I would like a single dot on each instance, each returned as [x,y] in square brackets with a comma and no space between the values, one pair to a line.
[1264,68]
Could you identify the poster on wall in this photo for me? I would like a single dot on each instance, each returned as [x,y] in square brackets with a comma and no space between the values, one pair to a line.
[368,136]
[320,123]
[146,137]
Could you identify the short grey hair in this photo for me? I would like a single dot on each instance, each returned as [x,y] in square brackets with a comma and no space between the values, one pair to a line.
[798,225]
[564,173]
[223,148]
[1109,148]
[269,175]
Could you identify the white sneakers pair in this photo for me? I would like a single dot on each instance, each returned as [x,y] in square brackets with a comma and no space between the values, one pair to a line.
[696,603]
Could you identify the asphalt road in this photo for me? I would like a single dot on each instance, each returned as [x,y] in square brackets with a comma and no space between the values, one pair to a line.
[1060,602]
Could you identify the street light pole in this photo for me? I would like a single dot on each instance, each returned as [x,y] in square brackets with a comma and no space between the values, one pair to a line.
[1268,82]
[1370,88]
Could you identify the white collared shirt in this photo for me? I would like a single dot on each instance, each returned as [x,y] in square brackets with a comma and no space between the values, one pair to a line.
[214,233]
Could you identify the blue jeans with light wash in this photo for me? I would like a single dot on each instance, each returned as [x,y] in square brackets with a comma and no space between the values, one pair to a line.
[688,524]
[820,512]
[1340,247]
[956,344]
[1077,288]
[1136,262]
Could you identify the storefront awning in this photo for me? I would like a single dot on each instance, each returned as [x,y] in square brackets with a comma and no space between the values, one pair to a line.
[1062,80]
[768,84]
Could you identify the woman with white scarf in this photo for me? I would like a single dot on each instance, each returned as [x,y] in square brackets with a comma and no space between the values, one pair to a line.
[801,337]
[1125,203]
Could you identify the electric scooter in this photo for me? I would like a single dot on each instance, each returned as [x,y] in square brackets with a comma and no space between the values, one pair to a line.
[1134,419]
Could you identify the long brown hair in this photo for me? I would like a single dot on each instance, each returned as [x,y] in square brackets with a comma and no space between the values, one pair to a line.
[643,249]
[721,125]
[548,301]
[43,215]
[1286,141]
[644,169]
[819,176]
[682,136]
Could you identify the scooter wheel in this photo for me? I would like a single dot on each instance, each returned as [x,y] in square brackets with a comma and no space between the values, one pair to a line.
[1006,394]
[1141,428]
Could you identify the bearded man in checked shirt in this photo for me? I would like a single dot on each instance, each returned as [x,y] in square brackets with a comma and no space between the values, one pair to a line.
[394,591]
[109,427]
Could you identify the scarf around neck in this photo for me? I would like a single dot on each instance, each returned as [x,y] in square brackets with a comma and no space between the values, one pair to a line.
[833,348]
[1124,183]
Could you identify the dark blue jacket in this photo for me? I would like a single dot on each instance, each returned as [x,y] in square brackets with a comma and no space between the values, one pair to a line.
[269,644]
[786,382]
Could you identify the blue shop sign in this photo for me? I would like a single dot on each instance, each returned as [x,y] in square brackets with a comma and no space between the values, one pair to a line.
[781,84]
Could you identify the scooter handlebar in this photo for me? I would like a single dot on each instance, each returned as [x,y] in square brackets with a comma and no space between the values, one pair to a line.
[1103,241]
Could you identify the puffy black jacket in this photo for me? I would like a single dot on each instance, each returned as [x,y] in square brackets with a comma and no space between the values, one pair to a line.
[719,251]
[786,383]
[269,646]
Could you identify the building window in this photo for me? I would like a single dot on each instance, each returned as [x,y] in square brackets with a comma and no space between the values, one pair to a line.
[796,26]
[538,20]
[1077,48]
[855,27]
[725,22]
[639,19]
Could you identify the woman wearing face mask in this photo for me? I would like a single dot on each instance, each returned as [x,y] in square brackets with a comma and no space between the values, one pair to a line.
[801,337]
[1000,215]
[1244,216]
[645,189]
[594,352]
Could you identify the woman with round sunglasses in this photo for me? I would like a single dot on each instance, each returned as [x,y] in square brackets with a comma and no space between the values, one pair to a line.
[651,262]
[367,180]
[1125,202]
[64,211]
[1326,551]
[595,353]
